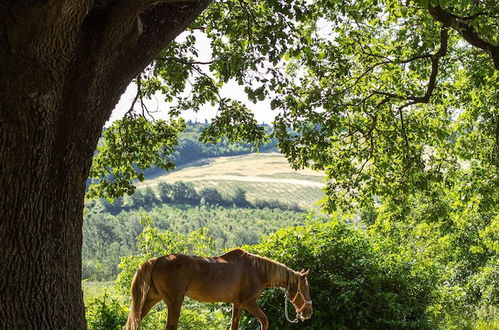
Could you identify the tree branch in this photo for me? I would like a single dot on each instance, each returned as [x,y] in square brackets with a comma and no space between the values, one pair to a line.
[435,60]
[466,31]
[184,61]
[161,24]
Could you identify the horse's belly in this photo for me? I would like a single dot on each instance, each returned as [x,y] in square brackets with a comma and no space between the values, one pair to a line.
[211,295]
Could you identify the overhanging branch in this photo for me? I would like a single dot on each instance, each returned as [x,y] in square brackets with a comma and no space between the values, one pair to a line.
[432,80]
[184,61]
[466,31]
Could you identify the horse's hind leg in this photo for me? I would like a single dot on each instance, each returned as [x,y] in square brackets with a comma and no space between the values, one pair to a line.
[236,314]
[257,312]
[173,312]
[173,299]
[149,303]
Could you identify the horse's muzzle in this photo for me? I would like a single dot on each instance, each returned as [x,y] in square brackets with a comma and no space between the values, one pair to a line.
[306,313]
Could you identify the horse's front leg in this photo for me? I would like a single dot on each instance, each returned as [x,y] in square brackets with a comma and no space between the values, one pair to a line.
[257,312]
[236,314]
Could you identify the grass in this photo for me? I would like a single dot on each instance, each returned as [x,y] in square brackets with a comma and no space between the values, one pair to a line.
[92,289]
[256,164]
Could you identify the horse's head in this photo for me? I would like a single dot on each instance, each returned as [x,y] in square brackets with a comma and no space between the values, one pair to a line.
[299,296]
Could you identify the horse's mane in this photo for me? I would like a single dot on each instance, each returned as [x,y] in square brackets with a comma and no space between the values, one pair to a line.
[275,272]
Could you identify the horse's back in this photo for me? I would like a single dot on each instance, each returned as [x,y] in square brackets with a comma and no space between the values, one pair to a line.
[207,279]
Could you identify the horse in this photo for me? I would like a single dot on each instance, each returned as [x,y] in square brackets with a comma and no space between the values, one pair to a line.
[236,277]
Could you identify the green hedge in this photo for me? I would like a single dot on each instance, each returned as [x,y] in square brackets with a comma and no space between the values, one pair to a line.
[352,284]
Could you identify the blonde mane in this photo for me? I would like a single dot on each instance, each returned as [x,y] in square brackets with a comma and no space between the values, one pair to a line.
[274,272]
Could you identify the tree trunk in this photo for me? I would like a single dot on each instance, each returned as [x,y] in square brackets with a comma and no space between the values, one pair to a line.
[63,66]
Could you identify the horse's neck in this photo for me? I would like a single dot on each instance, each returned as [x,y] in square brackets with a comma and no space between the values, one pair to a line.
[280,277]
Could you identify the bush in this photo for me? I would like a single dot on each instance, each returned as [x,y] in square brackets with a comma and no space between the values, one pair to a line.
[108,312]
[351,284]
[105,313]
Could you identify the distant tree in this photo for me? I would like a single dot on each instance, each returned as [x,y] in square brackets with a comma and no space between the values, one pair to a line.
[211,196]
[184,193]
[150,198]
[239,198]
[138,199]
[165,192]
[276,204]
[114,206]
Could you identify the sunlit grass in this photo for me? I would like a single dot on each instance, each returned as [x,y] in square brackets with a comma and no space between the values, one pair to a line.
[266,176]
[92,289]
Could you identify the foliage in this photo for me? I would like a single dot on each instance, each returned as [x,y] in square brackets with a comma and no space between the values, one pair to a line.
[451,235]
[353,284]
[352,280]
[108,312]
[93,289]
[105,313]
[109,237]
[387,97]
[122,157]
[155,242]
[397,102]
[358,278]
[235,114]
[130,146]
[190,148]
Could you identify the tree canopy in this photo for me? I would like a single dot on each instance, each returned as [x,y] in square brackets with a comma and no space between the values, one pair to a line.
[388,98]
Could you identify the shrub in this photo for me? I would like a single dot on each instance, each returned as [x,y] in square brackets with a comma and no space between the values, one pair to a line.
[105,313]
[352,285]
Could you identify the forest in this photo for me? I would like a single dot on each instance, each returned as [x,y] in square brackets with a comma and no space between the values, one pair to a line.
[110,229]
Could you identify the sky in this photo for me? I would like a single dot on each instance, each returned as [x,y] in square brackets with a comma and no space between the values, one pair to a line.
[232,90]
[262,111]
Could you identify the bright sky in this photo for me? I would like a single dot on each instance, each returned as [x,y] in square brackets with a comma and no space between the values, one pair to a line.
[230,90]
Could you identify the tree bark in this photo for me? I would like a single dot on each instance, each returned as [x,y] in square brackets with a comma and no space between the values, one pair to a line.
[63,66]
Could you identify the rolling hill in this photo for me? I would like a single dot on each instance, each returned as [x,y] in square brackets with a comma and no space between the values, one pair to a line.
[264,176]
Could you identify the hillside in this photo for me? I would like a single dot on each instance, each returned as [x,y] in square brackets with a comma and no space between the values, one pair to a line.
[264,176]
[251,195]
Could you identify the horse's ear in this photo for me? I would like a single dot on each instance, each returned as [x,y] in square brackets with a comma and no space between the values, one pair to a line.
[304,272]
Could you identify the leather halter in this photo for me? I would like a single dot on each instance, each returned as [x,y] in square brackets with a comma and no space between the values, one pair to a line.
[299,311]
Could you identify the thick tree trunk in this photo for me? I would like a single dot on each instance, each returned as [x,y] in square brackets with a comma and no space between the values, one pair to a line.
[63,66]
[41,204]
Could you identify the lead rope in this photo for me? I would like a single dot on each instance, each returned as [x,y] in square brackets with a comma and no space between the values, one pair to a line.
[286,298]
[286,309]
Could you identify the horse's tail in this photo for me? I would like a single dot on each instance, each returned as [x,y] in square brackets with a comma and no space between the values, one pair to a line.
[141,285]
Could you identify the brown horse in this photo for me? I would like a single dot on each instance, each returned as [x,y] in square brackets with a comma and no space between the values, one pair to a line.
[236,277]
